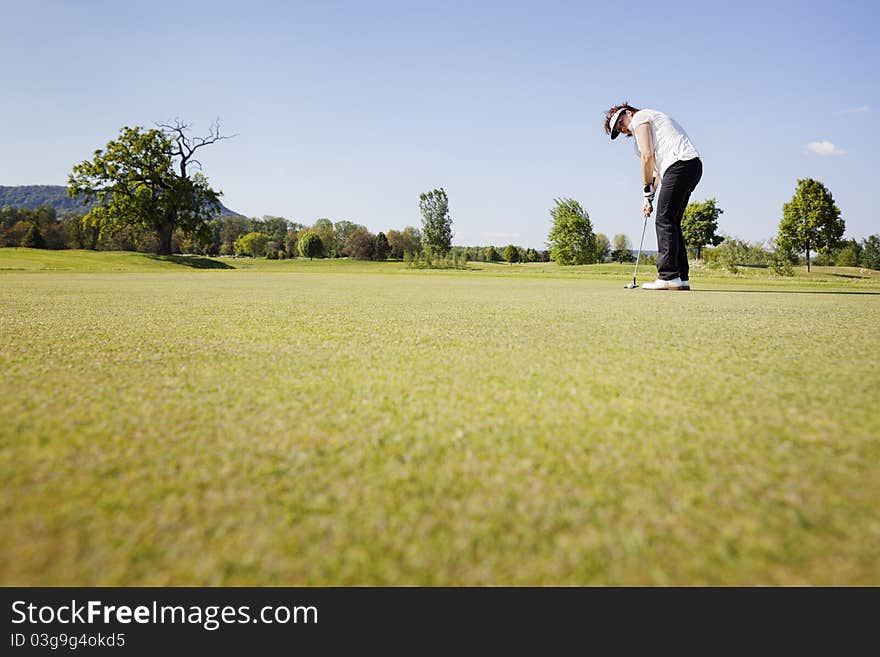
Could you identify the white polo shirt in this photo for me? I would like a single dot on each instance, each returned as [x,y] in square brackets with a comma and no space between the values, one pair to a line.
[671,143]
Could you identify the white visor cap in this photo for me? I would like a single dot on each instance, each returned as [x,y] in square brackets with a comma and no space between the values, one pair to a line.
[613,122]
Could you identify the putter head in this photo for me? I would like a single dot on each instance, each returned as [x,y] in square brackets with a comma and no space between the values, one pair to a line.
[630,286]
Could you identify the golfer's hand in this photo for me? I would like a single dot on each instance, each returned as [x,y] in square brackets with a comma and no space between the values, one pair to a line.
[647,208]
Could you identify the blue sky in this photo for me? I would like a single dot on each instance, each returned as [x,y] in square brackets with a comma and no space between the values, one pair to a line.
[349,110]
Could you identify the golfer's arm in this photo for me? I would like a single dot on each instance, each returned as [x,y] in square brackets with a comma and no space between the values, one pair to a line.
[646,148]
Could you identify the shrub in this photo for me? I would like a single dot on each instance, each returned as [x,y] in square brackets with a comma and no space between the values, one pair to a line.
[252,244]
[781,265]
[734,253]
[428,259]
[730,253]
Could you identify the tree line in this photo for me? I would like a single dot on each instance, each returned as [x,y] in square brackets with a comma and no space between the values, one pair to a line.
[811,225]
[268,236]
[147,192]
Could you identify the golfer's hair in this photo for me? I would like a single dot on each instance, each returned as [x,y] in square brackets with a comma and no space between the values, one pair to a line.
[625,105]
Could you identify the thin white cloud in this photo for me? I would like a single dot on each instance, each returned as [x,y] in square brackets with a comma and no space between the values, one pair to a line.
[824,148]
[864,109]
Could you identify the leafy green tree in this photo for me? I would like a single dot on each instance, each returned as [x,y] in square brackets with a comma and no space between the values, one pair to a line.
[16,223]
[360,244]
[291,238]
[700,224]
[510,254]
[33,239]
[412,239]
[142,179]
[327,232]
[382,247]
[16,233]
[252,244]
[80,235]
[8,217]
[342,231]
[571,239]
[310,245]
[275,228]
[622,251]
[230,229]
[603,247]
[45,215]
[436,222]
[871,252]
[210,246]
[849,254]
[492,254]
[409,240]
[189,244]
[395,244]
[811,221]
[274,250]
[532,255]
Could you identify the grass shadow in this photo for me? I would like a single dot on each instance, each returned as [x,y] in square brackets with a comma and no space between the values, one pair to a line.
[864,278]
[196,262]
[870,293]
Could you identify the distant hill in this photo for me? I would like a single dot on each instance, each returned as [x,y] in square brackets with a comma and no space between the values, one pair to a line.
[33,196]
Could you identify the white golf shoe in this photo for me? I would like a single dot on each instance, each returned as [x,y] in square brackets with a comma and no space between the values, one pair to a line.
[659,284]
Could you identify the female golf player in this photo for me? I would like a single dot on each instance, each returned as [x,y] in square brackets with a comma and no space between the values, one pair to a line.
[670,161]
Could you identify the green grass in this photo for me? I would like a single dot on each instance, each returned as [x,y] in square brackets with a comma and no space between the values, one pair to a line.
[279,425]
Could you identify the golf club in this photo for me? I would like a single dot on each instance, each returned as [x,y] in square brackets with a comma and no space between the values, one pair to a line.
[630,286]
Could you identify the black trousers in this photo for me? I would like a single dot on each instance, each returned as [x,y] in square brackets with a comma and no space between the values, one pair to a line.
[678,182]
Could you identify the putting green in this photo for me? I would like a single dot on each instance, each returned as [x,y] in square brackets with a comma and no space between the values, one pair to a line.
[284,427]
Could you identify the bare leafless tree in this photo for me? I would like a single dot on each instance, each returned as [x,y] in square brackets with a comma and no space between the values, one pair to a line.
[186,146]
